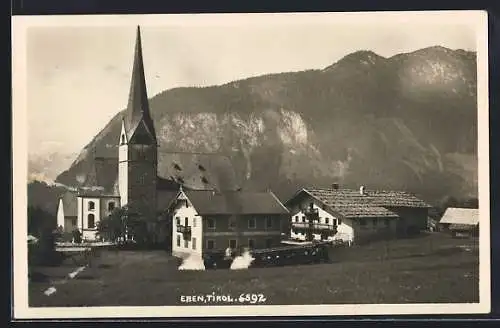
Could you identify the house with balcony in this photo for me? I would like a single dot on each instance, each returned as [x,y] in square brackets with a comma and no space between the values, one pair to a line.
[209,221]
[354,215]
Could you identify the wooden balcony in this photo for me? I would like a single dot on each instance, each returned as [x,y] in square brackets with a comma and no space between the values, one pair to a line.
[185,230]
[314,226]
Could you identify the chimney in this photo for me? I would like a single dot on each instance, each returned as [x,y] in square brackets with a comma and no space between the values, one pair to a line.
[362,190]
[335,186]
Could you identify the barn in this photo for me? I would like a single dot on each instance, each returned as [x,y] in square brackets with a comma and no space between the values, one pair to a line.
[461,221]
[356,215]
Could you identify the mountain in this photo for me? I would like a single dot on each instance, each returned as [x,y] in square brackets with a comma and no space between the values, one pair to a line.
[47,166]
[405,122]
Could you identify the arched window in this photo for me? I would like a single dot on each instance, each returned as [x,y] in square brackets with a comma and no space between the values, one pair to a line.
[91,206]
[91,221]
[111,206]
[123,139]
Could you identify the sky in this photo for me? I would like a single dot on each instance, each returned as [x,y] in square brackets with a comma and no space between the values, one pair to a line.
[78,75]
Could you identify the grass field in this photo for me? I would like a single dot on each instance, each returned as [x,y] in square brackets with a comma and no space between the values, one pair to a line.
[432,268]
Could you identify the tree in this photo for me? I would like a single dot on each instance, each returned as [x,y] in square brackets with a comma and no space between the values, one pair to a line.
[121,223]
[112,227]
[39,220]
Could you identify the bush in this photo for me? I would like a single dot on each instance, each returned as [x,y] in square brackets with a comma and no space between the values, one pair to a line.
[43,252]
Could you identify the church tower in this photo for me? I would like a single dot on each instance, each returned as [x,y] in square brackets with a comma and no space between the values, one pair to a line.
[138,158]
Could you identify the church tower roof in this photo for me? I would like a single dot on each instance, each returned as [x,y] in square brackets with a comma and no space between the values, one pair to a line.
[138,105]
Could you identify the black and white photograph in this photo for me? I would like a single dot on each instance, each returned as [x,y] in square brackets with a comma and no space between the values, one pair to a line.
[251,164]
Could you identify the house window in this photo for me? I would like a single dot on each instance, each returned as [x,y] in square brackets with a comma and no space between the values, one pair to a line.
[374,221]
[269,243]
[178,221]
[210,244]
[327,220]
[211,223]
[251,243]
[339,221]
[193,241]
[91,206]
[303,218]
[91,221]
[186,243]
[334,222]
[232,223]
[186,221]
[111,206]
[178,241]
[362,222]
[232,243]
[387,222]
[123,139]
[269,222]
[251,223]
[194,222]
[296,218]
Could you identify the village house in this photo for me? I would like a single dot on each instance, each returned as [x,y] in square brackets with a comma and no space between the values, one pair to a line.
[461,221]
[355,216]
[134,173]
[208,221]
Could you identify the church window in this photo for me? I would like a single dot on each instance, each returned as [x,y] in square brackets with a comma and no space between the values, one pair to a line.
[111,206]
[123,139]
[91,206]
[91,221]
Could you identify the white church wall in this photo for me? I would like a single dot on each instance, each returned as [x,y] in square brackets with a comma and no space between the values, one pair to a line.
[60,214]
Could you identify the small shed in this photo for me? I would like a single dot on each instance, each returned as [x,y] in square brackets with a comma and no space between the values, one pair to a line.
[461,221]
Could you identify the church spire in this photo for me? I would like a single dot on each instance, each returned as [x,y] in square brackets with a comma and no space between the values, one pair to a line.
[138,105]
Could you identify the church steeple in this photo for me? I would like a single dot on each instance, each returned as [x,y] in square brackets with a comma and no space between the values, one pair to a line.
[137,117]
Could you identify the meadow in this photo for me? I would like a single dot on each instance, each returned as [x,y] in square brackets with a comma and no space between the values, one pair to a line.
[432,268]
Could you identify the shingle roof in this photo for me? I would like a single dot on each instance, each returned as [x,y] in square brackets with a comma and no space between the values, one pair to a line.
[207,202]
[462,216]
[70,204]
[371,197]
[198,171]
[351,204]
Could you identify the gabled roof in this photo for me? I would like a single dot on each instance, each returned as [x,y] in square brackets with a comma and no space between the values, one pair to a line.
[70,204]
[102,176]
[370,197]
[207,202]
[138,105]
[198,171]
[351,204]
[164,199]
[461,216]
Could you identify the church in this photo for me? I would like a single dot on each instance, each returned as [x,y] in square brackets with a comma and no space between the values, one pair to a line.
[137,175]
